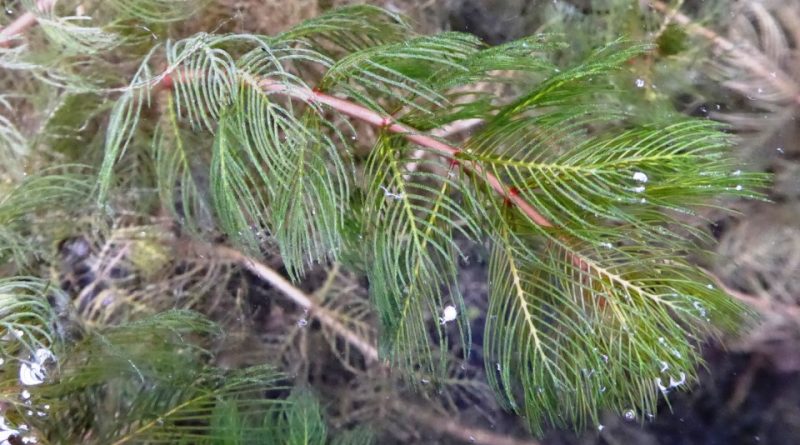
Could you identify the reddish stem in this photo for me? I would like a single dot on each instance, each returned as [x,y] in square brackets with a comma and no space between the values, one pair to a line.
[349,108]
[22,23]
[388,124]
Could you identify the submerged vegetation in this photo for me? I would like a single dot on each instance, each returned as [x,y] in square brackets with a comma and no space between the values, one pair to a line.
[243,238]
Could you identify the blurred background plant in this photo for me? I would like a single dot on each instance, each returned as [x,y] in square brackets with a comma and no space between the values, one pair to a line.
[124,289]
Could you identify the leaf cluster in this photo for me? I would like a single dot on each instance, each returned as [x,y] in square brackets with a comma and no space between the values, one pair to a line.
[580,201]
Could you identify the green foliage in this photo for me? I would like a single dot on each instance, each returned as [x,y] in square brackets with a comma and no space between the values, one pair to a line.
[591,303]
[145,382]
[26,316]
[604,281]
[28,204]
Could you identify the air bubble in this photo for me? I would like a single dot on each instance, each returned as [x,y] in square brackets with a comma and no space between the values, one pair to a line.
[302,322]
[738,187]
[600,427]
[679,382]
[700,308]
[33,372]
[390,195]
[639,189]
[640,177]
[640,83]
[737,173]
[449,314]
[629,415]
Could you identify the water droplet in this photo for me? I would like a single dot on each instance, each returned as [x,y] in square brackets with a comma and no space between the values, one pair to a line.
[498,367]
[639,189]
[640,176]
[780,150]
[629,415]
[738,187]
[640,83]
[664,366]
[737,173]
[425,381]
[710,286]
[25,394]
[600,427]
[302,322]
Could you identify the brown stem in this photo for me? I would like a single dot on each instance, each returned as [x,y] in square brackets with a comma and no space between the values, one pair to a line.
[433,421]
[299,297]
[453,428]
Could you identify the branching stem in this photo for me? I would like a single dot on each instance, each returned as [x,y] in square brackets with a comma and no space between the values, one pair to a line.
[299,297]
[431,420]
[388,123]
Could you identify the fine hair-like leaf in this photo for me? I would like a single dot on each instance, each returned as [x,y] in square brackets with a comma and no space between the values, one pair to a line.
[581,203]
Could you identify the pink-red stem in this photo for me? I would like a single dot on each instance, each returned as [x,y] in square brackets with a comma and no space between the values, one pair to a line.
[388,123]
[22,23]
